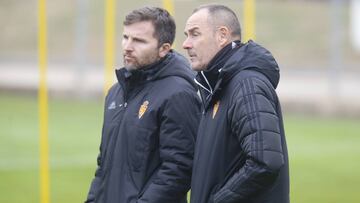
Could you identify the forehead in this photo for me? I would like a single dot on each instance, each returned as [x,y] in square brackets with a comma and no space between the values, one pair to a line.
[140,29]
[198,20]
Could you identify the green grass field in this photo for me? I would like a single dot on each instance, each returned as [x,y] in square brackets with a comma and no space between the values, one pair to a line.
[324,153]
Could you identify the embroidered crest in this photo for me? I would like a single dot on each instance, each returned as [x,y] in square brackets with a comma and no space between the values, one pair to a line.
[143,108]
[215,109]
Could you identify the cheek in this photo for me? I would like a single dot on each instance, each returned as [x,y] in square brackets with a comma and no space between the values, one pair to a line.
[204,54]
[211,49]
[200,48]
[142,51]
[204,46]
[148,55]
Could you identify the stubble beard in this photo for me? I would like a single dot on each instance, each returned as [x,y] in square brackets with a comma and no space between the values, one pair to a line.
[136,64]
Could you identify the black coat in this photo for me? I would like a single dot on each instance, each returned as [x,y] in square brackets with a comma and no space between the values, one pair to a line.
[150,123]
[240,154]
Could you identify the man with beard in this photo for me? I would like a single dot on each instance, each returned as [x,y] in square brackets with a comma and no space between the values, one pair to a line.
[151,118]
[240,153]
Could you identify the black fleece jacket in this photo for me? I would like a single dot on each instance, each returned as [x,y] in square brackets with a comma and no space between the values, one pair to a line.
[150,123]
[241,153]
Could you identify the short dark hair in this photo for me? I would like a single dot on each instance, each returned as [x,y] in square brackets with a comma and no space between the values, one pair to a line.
[163,22]
[222,15]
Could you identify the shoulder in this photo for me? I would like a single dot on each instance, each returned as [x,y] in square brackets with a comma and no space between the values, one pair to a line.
[114,89]
[177,84]
[250,82]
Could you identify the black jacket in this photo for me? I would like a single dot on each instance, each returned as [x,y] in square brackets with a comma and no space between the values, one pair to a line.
[150,123]
[240,154]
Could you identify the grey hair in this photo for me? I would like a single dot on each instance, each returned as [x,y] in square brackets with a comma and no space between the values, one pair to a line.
[220,15]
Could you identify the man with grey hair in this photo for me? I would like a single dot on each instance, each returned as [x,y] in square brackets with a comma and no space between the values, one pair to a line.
[150,120]
[240,153]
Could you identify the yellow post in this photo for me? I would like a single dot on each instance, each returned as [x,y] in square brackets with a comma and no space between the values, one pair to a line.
[109,43]
[169,6]
[43,105]
[249,20]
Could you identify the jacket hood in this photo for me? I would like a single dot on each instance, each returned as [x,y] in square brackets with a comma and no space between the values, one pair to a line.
[176,64]
[251,56]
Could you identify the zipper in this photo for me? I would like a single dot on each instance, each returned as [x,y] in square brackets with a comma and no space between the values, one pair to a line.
[126,98]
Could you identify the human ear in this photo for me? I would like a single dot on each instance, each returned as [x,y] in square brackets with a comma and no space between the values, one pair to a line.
[223,36]
[164,49]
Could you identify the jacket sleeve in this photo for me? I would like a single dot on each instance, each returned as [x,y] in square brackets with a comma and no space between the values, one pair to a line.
[254,120]
[178,129]
[95,182]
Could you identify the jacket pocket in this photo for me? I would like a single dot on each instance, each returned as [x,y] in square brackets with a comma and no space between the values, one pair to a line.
[141,144]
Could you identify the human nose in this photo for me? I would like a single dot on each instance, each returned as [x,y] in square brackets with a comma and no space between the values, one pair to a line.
[187,44]
[127,45]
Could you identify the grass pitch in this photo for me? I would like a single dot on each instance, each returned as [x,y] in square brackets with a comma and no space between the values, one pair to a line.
[324,153]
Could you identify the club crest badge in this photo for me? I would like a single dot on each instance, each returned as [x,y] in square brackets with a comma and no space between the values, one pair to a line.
[215,109]
[143,108]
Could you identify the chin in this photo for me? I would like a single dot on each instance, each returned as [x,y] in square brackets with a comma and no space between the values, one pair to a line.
[196,67]
[130,67]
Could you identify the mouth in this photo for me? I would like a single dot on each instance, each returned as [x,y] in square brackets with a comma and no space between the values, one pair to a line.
[192,56]
[128,57]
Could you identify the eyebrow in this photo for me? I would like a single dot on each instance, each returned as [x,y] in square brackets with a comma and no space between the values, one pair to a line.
[191,30]
[139,39]
[135,38]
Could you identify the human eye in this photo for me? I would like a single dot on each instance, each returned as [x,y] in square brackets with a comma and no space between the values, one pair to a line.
[196,33]
[139,40]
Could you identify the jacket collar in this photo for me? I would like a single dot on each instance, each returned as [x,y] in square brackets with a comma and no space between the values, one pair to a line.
[209,80]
